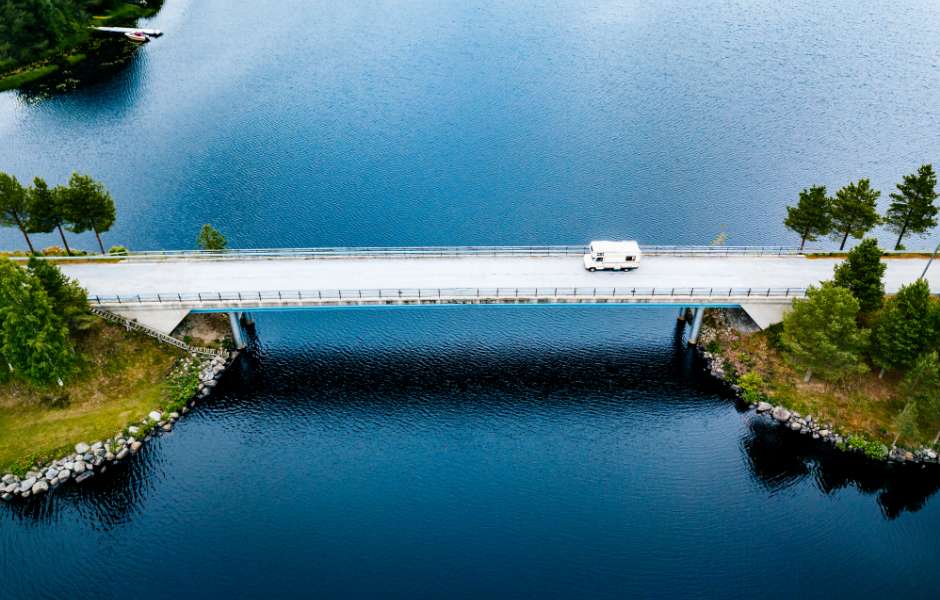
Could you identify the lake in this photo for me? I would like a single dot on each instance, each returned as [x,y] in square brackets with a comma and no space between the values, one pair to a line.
[482,451]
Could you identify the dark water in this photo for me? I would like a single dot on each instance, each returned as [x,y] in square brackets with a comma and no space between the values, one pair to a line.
[483,451]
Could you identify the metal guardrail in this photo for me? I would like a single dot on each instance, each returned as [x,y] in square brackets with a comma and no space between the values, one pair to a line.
[423,252]
[393,295]
[131,324]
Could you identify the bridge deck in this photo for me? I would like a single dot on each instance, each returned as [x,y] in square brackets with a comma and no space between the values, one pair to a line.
[182,276]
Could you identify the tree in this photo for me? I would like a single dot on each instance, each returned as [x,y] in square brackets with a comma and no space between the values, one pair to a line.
[912,207]
[88,207]
[905,423]
[861,273]
[906,328]
[33,340]
[922,385]
[854,211]
[69,300]
[209,238]
[14,207]
[47,209]
[810,217]
[822,335]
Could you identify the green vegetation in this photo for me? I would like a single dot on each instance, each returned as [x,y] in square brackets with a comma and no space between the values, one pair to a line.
[912,207]
[209,238]
[861,273]
[854,211]
[83,205]
[821,333]
[906,327]
[34,34]
[120,376]
[811,217]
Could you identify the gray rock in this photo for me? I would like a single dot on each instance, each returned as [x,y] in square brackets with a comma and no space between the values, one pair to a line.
[781,414]
[167,427]
[97,446]
[82,448]
[9,478]
[11,488]
[27,483]
[79,468]
[51,473]
[64,475]
[109,456]
[6,496]
[84,476]
[763,407]
[795,426]
[133,430]
[174,415]
[135,447]
[39,487]
[184,410]
[824,433]
[122,454]
[88,457]
[930,454]
[155,416]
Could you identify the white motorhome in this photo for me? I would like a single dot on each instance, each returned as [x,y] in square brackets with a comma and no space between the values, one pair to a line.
[614,256]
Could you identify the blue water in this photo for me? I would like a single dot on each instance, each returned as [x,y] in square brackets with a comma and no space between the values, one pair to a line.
[480,452]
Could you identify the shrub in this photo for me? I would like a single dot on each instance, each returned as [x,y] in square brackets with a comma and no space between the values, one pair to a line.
[752,387]
[118,250]
[875,450]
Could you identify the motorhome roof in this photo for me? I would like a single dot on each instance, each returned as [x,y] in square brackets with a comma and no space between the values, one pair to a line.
[625,247]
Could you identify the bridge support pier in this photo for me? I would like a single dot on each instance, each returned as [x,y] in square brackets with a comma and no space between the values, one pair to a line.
[682,311]
[237,335]
[696,325]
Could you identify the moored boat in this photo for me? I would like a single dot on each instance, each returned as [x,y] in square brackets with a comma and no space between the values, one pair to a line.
[137,37]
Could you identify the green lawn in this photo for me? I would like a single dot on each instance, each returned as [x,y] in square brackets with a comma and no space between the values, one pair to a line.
[123,376]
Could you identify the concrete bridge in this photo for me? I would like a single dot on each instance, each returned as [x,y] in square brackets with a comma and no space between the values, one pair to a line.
[159,289]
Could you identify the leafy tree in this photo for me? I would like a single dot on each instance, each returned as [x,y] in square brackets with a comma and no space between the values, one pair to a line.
[209,238]
[810,217]
[47,210]
[922,385]
[69,299]
[88,206]
[912,207]
[14,206]
[822,335]
[905,423]
[33,339]
[861,273]
[906,328]
[854,211]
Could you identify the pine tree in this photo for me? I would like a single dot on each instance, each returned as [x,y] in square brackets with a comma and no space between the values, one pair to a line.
[14,207]
[810,218]
[906,327]
[912,207]
[905,423]
[47,210]
[88,207]
[861,273]
[821,333]
[210,238]
[854,211]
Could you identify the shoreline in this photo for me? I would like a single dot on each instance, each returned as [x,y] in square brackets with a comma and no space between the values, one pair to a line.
[822,430]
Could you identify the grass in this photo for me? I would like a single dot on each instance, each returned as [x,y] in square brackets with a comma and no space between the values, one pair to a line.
[122,377]
[864,406]
[27,75]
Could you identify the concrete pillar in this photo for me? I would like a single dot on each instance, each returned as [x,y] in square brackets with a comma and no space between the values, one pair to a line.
[682,310]
[246,318]
[696,325]
[237,336]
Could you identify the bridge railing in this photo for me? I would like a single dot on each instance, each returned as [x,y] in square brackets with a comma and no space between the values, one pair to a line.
[393,295]
[424,252]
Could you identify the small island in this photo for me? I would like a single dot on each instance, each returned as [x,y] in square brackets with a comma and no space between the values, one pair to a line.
[41,39]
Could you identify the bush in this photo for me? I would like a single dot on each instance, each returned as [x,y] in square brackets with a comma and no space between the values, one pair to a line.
[752,387]
[875,450]
[118,250]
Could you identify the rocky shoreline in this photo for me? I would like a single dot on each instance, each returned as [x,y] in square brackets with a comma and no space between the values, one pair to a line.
[808,425]
[91,458]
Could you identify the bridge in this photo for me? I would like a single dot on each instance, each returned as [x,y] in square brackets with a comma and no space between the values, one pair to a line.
[159,289]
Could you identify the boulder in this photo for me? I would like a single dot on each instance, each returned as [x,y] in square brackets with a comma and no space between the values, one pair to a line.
[781,414]
[763,407]
[97,445]
[174,415]
[824,433]
[27,483]
[133,430]
[6,497]
[82,448]
[39,487]
[11,488]
[135,447]
[122,454]
[51,473]
[795,426]
[84,476]
[79,468]
[167,427]
[155,416]
[109,456]
[64,475]
[9,478]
